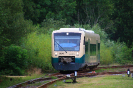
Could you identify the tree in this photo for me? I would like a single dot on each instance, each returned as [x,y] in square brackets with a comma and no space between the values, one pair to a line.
[123,15]
[94,11]
[37,11]
[12,24]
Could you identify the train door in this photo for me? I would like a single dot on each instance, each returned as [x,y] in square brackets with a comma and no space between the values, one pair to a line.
[87,50]
[97,50]
[93,57]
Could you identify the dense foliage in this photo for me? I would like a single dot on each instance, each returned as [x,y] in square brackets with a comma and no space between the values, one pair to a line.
[14,60]
[37,11]
[28,25]
[12,24]
[123,25]
[39,50]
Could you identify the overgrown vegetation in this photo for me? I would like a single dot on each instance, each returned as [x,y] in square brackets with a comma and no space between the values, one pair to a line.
[13,61]
[39,50]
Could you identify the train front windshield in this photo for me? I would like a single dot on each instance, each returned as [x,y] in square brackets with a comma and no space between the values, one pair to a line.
[67,41]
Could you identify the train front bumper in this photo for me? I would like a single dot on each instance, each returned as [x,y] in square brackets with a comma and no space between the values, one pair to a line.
[72,66]
[67,67]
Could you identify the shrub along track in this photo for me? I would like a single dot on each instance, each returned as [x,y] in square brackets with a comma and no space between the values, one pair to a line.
[84,73]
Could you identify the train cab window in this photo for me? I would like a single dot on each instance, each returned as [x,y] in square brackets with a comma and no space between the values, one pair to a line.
[67,41]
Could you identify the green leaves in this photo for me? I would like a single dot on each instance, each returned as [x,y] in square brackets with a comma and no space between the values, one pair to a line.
[13,26]
[13,61]
[122,16]
[39,50]
[46,9]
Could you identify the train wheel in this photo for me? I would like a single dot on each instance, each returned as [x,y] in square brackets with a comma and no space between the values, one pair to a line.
[66,72]
[92,67]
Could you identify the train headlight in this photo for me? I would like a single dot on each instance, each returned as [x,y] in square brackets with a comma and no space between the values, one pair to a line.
[77,54]
[56,54]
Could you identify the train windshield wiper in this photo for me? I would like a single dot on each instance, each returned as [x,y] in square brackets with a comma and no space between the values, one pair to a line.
[61,47]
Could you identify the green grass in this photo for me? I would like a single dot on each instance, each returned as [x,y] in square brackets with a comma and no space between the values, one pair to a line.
[109,69]
[113,81]
[6,80]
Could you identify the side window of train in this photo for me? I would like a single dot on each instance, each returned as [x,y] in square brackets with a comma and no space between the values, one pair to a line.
[92,49]
[99,48]
[86,46]
[84,40]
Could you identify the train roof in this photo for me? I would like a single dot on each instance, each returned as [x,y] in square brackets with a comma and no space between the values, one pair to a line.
[74,29]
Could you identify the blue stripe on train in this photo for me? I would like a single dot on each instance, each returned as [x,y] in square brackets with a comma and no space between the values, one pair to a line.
[77,60]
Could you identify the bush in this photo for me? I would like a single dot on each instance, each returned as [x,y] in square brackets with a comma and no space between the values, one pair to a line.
[14,60]
[105,54]
[39,50]
[121,53]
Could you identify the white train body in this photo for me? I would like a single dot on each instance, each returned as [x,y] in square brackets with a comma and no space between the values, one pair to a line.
[74,49]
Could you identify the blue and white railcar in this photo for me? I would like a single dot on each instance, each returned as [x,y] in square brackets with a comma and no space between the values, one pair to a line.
[74,49]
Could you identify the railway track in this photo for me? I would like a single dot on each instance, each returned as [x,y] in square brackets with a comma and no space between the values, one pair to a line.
[84,73]
[124,66]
